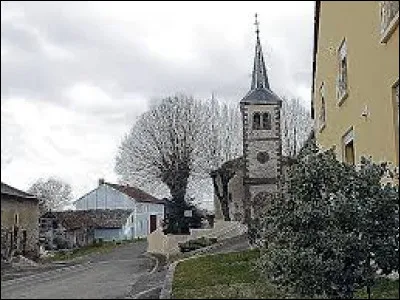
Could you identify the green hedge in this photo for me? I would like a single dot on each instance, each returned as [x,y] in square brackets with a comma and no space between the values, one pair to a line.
[196,244]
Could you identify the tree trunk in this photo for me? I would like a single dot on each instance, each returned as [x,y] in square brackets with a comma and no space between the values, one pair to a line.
[223,198]
[178,186]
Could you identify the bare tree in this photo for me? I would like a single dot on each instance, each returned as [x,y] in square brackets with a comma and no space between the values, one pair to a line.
[53,193]
[296,126]
[173,147]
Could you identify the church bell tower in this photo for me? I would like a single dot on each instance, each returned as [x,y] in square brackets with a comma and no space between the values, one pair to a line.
[262,144]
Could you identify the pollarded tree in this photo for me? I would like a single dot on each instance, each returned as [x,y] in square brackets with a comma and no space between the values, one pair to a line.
[175,145]
[162,146]
[53,194]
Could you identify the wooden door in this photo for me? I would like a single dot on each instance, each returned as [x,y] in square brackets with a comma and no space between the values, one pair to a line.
[153,223]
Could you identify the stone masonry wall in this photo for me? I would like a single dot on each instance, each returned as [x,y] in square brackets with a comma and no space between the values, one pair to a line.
[28,219]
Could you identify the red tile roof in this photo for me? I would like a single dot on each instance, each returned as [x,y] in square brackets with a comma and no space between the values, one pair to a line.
[135,193]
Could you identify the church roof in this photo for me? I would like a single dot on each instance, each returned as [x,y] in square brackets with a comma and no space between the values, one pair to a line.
[260,96]
[260,91]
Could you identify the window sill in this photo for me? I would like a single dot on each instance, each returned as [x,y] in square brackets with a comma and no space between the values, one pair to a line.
[390,29]
[342,98]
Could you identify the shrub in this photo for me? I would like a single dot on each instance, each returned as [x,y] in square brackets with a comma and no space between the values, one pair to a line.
[336,228]
[60,242]
[196,244]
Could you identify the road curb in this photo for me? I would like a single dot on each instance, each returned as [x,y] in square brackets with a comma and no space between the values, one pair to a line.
[166,290]
[154,258]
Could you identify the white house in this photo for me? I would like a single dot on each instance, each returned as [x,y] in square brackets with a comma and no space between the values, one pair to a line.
[147,211]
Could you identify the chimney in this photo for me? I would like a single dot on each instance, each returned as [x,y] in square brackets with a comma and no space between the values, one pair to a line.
[101,181]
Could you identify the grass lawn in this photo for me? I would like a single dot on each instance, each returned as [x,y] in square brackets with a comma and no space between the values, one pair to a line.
[231,276]
[91,249]
[227,276]
[383,289]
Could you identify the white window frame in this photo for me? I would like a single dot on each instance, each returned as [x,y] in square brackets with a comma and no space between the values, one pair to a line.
[389,20]
[322,112]
[347,138]
[342,92]
[396,95]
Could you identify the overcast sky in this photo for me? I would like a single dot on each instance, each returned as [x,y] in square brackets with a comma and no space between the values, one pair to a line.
[75,75]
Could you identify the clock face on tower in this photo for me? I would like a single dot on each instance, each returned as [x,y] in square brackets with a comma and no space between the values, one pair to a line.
[262,157]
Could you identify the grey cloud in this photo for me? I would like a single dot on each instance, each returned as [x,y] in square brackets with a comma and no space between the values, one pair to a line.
[112,55]
[102,52]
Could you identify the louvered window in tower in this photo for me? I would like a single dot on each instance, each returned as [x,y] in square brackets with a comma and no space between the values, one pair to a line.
[266,121]
[256,121]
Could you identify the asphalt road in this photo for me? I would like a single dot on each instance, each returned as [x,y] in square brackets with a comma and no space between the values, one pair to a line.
[123,273]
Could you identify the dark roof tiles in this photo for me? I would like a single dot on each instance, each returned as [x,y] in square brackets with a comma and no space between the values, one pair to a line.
[100,218]
[9,190]
[261,96]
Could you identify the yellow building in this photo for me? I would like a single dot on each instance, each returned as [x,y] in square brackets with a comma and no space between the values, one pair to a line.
[355,92]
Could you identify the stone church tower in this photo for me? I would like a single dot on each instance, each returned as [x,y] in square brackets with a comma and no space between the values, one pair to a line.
[262,144]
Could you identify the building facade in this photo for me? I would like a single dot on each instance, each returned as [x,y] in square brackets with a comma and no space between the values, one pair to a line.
[229,191]
[19,222]
[355,92]
[69,229]
[262,144]
[147,211]
[234,196]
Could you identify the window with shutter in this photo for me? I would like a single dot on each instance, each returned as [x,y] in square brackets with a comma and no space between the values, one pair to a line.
[342,82]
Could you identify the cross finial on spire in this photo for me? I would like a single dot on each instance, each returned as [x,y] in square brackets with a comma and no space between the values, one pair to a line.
[259,77]
[257,24]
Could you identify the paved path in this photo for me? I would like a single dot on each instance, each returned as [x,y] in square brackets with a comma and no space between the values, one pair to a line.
[114,275]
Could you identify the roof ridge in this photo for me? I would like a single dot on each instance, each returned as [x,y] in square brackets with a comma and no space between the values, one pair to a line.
[134,192]
[130,186]
[24,194]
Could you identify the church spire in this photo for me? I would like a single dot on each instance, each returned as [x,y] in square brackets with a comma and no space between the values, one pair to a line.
[259,77]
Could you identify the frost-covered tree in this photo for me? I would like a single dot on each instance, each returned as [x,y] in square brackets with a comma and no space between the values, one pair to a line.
[223,133]
[53,194]
[336,228]
[173,147]
[296,124]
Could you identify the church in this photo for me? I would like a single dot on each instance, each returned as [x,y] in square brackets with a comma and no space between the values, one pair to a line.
[243,186]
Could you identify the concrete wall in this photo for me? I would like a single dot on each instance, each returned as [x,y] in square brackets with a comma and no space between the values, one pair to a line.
[373,70]
[168,245]
[27,212]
